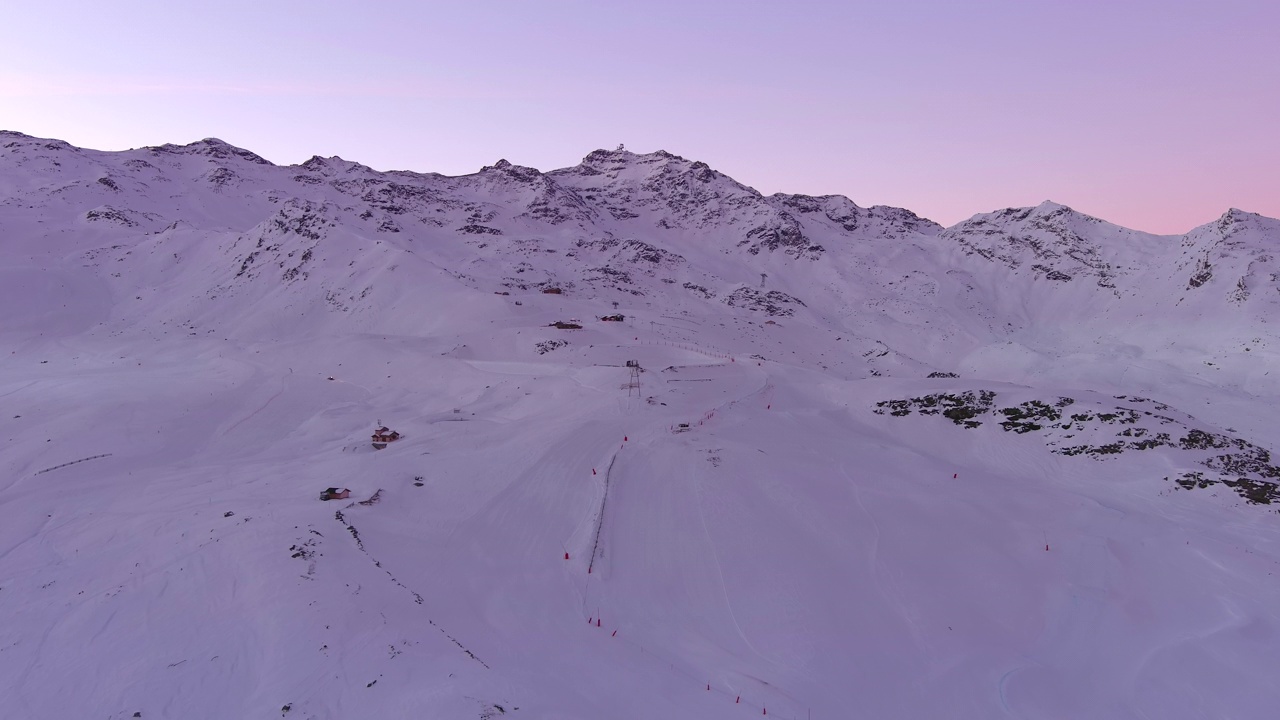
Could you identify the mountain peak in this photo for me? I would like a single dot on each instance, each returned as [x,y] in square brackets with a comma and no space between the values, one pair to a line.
[212,147]
[1047,211]
[333,165]
[1236,220]
[613,159]
[1049,207]
[510,169]
[46,143]
[1234,215]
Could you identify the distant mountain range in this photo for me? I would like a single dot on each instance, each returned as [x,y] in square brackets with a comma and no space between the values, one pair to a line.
[208,224]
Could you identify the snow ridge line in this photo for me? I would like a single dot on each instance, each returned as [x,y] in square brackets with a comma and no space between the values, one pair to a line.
[604,499]
[73,462]
[417,597]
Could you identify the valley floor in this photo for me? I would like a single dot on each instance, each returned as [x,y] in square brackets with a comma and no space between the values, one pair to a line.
[544,544]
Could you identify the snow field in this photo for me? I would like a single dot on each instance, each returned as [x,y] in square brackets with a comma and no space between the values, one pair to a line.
[185,370]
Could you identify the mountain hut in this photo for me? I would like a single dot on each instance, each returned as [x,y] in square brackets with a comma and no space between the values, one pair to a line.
[384,435]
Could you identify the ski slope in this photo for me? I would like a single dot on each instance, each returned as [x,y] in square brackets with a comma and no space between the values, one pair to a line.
[797,550]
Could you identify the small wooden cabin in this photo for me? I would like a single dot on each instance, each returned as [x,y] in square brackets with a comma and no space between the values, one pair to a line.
[551,291]
[614,318]
[335,494]
[384,435]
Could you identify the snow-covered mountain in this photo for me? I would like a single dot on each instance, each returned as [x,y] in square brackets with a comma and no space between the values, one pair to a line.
[1015,467]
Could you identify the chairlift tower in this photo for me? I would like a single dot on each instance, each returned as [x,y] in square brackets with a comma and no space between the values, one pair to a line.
[633,382]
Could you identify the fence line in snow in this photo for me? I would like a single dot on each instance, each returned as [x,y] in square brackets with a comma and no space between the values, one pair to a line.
[73,462]
[604,499]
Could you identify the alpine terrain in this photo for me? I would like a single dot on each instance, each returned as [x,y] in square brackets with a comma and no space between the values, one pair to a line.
[653,445]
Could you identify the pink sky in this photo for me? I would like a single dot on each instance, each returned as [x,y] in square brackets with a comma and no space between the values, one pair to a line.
[1157,115]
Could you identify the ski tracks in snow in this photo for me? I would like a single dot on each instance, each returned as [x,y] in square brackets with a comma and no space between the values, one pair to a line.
[724,588]
[283,385]
[885,586]
[417,597]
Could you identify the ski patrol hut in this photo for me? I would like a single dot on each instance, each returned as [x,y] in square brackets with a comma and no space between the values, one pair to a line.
[384,435]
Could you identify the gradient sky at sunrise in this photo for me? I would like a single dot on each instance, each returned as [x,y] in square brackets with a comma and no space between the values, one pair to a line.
[1154,114]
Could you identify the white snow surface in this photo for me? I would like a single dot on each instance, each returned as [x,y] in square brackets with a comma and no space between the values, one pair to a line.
[196,343]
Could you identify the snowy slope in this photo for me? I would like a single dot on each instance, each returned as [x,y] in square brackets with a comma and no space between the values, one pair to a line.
[1071,518]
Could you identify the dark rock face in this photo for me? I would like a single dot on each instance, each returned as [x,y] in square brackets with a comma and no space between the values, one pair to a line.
[773,302]
[1245,467]
[1054,241]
